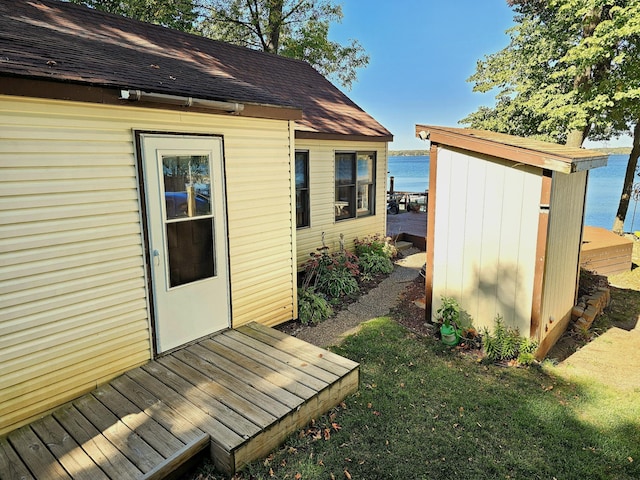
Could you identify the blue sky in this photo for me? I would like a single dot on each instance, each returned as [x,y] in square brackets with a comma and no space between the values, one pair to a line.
[421,54]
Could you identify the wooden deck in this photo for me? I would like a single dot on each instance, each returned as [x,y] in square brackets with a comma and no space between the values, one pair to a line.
[238,394]
[604,252]
[409,226]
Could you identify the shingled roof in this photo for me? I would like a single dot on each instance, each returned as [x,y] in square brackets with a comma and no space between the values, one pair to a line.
[63,43]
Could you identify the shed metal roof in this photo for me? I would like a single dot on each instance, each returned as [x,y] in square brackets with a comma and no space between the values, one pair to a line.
[541,154]
[64,43]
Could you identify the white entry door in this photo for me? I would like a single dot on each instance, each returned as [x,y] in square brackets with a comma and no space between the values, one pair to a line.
[187,236]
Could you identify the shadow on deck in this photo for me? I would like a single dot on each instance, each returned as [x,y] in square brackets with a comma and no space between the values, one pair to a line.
[238,394]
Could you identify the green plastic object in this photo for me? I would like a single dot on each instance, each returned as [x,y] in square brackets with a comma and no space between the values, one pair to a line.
[449,335]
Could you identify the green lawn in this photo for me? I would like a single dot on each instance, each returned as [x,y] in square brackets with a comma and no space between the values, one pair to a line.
[425,411]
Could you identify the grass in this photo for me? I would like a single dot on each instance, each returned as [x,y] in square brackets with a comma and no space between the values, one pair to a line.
[425,411]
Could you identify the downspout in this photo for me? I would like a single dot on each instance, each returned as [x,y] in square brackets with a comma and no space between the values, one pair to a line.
[139,95]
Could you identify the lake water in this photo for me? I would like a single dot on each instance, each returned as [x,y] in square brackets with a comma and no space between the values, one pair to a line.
[411,174]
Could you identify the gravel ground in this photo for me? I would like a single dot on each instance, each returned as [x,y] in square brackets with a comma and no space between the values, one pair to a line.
[376,303]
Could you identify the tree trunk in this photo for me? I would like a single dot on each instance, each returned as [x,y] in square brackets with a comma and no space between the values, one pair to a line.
[275,25]
[575,138]
[627,187]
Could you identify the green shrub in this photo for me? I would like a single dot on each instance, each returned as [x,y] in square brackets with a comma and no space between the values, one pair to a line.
[372,264]
[377,245]
[505,344]
[312,307]
[337,283]
[332,274]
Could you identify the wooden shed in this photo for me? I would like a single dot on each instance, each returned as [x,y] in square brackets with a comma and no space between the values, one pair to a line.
[149,194]
[504,228]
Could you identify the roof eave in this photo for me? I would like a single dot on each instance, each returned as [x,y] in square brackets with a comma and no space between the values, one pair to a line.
[564,163]
[110,95]
[354,137]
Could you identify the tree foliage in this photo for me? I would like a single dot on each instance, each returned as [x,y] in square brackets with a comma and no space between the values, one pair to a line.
[571,66]
[291,28]
[177,14]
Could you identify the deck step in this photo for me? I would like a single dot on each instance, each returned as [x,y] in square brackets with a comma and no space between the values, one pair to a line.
[178,459]
[403,245]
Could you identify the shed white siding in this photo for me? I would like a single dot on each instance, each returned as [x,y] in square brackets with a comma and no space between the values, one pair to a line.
[322,197]
[566,214]
[486,212]
[73,296]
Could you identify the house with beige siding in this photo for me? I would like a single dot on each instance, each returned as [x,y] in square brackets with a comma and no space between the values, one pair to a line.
[157,187]
[504,228]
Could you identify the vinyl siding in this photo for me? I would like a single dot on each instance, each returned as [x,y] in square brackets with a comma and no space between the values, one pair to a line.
[485,236]
[322,197]
[73,297]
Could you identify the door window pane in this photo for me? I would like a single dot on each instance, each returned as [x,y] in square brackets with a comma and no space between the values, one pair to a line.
[188,221]
[190,250]
[187,185]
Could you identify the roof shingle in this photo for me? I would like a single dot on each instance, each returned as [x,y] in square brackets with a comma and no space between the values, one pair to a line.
[63,42]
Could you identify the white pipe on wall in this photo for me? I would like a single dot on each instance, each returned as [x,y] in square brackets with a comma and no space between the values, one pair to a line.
[136,95]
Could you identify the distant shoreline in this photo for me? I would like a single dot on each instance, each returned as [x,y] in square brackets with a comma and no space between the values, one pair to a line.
[422,153]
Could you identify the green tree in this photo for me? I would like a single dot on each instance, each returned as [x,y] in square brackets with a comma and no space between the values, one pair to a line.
[177,14]
[291,28]
[570,72]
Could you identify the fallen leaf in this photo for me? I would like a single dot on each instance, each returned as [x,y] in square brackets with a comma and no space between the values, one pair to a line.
[154,66]
[298,476]
[347,474]
[376,413]
[630,459]
[336,426]
[271,474]
[327,434]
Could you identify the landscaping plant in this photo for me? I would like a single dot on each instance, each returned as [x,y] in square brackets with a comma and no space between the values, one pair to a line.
[332,274]
[374,256]
[313,308]
[505,344]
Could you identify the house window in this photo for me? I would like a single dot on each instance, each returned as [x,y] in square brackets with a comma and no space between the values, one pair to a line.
[355,185]
[302,189]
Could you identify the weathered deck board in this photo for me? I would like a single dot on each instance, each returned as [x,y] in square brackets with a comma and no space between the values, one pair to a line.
[72,457]
[11,464]
[105,455]
[285,377]
[239,393]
